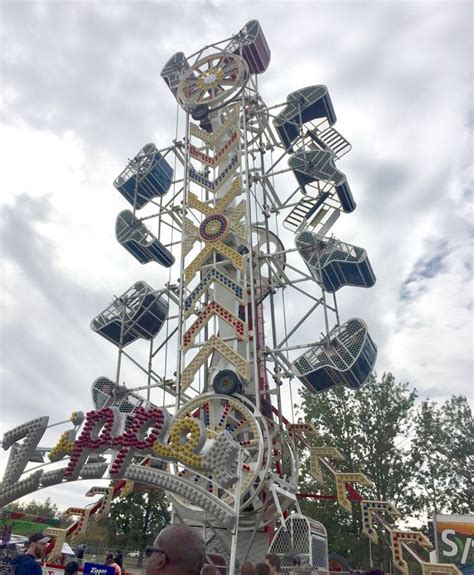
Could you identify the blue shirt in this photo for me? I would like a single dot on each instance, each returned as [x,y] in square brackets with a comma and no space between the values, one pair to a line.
[26,565]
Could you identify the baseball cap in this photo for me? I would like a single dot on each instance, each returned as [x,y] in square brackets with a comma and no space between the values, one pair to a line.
[38,538]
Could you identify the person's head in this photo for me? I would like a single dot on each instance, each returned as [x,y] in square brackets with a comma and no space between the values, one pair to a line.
[177,550]
[109,560]
[273,561]
[37,544]
[71,568]
[262,569]
[119,552]
[295,560]
[247,568]
[210,570]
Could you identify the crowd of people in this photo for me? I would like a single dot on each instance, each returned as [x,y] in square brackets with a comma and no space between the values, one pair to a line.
[177,550]
[180,550]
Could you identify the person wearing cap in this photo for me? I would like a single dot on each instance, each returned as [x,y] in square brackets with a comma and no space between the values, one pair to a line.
[27,564]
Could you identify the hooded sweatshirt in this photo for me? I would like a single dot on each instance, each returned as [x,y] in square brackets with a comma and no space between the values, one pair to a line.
[26,565]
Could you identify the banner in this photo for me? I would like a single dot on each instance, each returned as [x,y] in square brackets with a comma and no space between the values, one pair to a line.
[454,537]
[98,569]
[21,527]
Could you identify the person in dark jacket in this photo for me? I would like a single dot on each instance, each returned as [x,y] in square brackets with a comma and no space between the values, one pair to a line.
[119,558]
[27,564]
[71,568]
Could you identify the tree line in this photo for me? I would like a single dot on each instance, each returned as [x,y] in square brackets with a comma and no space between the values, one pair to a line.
[417,453]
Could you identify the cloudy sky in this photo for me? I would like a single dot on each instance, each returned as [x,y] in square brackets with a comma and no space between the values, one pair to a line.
[82,92]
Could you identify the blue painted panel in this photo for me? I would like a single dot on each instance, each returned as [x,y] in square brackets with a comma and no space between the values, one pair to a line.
[335,264]
[156,251]
[339,274]
[348,359]
[137,239]
[98,569]
[345,196]
[318,165]
[304,105]
[149,318]
[142,317]
[112,332]
[318,381]
[303,178]
[360,274]
[326,377]
[154,178]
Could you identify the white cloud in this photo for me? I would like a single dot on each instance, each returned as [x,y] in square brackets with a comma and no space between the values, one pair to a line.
[82,93]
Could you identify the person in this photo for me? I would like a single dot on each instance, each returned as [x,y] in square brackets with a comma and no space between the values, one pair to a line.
[71,568]
[27,564]
[79,551]
[262,569]
[247,568]
[273,561]
[109,560]
[210,570]
[177,550]
[119,558]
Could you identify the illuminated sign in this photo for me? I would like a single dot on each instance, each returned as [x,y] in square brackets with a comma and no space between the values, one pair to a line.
[455,540]
[97,569]
[153,432]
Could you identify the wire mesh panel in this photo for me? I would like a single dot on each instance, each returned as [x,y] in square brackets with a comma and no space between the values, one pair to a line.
[334,264]
[299,535]
[319,553]
[147,176]
[102,391]
[348,358]
[318,165]
[312,103]
[138,313]
[301,544]
[173,70]
[106,393]
[137,239]
[252,45]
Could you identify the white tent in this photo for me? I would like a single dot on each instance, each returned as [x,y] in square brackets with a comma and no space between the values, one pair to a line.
[66,550]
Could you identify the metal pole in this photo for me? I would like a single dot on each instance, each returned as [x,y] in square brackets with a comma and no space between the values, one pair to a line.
[235,533]
[250,262]
[181,282]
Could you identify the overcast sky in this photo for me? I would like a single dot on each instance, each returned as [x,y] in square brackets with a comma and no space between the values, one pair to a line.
[82,92]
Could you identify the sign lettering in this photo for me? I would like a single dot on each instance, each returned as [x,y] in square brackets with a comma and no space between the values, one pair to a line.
[151,432]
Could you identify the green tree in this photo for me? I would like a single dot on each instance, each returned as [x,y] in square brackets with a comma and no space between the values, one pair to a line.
[136,519]
[371,427]
[442,457]
[44,508]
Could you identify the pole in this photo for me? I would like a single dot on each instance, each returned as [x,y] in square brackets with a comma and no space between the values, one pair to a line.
[235,533]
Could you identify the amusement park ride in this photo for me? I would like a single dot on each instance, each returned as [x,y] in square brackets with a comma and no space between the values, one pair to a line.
[240,209]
